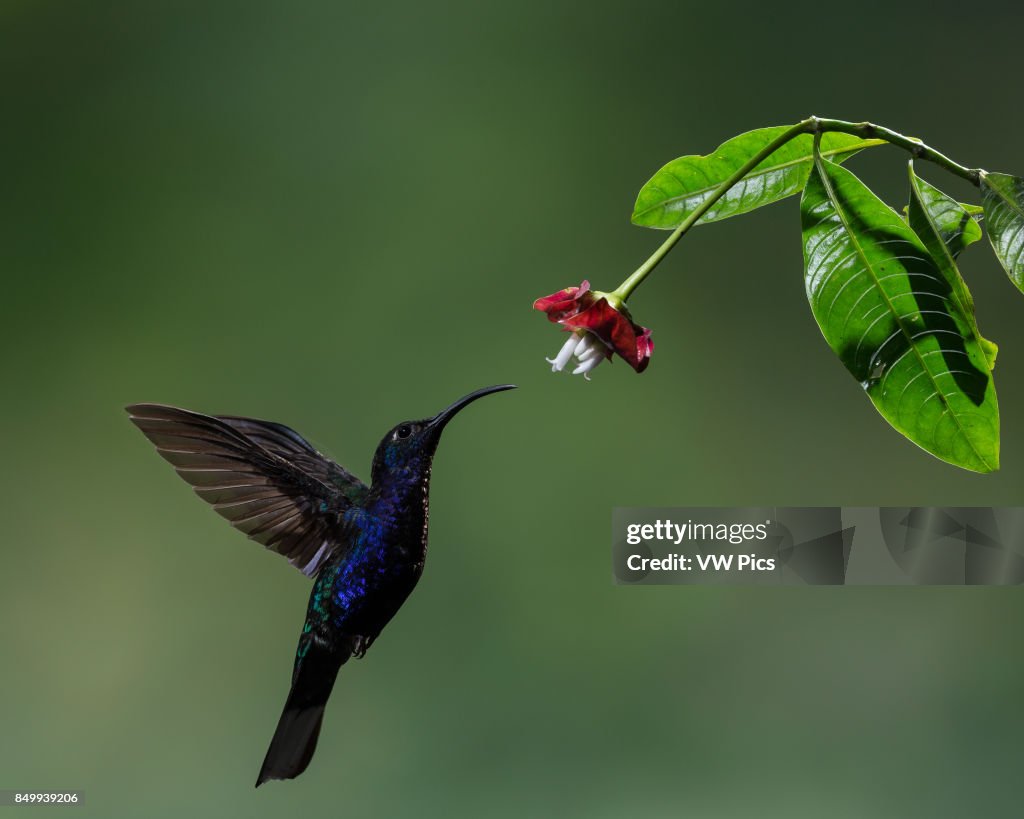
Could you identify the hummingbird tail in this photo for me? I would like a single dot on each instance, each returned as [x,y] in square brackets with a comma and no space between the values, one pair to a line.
[294,741]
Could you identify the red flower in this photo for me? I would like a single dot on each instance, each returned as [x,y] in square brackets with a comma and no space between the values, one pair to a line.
[600,325]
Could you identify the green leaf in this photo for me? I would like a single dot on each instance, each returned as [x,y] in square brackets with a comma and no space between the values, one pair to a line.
[956,224]
[683,184]
[1003,199]
[895,322]
[946,228]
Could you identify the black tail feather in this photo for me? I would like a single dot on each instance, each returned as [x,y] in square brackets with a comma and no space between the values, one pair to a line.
[294,741]
[293,744]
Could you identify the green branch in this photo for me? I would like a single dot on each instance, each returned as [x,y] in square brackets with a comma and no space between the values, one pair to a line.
[869,130]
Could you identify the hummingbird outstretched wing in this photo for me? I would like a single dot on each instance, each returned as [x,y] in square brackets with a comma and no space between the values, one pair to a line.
[288,444]
[263,477]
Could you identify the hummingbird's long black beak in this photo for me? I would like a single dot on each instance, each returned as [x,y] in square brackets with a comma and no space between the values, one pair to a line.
[444,416]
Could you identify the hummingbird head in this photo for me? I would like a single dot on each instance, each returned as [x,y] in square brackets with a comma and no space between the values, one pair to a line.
[410,445]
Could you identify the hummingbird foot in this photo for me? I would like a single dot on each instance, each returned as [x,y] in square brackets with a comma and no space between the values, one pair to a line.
[361,646]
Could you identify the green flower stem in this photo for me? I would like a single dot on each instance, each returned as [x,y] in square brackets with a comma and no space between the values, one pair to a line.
[811,125]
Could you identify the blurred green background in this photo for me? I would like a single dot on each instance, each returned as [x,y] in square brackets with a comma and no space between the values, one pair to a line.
[337,216]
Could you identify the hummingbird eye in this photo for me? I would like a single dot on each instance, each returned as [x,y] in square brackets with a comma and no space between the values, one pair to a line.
[403,431]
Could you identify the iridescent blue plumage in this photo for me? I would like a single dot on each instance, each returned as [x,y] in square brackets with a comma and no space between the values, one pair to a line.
[365,545]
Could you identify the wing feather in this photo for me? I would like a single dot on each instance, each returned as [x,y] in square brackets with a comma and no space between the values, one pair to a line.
[264,478]
[288,444]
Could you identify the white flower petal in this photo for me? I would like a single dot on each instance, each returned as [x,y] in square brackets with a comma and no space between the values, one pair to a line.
[588,365]
[559,361]
[599,347]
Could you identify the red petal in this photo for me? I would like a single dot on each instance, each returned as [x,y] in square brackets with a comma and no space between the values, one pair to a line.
[644,348]
[565,302]
[630,341]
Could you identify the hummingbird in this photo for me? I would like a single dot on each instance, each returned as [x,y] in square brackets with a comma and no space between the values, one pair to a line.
[364,546]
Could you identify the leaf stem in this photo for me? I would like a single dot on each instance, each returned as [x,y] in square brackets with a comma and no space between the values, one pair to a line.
[811,125]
